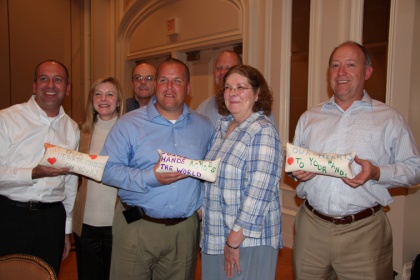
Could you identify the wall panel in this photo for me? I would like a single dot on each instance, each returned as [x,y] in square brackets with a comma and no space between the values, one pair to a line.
[34,37]
[4,55]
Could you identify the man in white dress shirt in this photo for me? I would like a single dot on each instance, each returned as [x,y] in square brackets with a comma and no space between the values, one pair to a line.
[36,202]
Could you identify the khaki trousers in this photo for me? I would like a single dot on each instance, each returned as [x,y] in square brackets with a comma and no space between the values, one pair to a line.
[144,250]
[356,251]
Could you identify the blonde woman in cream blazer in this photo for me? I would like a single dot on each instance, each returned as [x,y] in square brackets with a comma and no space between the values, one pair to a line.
[95,202]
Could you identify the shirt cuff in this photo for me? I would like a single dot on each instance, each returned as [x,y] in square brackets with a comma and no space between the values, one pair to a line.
[386,174]
[25,175]
[68,226]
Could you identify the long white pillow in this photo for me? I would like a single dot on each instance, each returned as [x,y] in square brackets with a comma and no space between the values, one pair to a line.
[201,169]
[91,166]
[337,165]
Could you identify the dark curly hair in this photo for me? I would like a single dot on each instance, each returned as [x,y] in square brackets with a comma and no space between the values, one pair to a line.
[257,81]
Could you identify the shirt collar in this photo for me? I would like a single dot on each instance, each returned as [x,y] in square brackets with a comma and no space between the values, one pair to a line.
[243,125]
[152,112]
[365,101]
[34,107]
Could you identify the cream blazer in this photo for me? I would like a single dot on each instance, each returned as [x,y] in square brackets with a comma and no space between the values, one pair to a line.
[79,205]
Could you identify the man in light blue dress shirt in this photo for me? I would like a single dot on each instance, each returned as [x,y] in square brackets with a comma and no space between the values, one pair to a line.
[156,224]
[341,229]
[226,60]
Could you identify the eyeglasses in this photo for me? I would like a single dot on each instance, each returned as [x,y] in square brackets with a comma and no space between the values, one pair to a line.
[147,79]
[238,89]
[221,67]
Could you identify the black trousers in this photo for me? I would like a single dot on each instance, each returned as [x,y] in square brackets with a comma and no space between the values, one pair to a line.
[34,232]
[93,252]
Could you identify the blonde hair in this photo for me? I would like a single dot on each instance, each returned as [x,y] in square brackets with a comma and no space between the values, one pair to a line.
[91,116]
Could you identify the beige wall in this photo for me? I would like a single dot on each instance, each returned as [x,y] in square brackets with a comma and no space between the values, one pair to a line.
[195,29]
[31,33]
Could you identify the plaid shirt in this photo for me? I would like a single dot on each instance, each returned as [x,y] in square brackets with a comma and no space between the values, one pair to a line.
[246,192]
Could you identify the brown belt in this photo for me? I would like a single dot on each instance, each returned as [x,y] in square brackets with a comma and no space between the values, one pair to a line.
[345,219]
[166,222]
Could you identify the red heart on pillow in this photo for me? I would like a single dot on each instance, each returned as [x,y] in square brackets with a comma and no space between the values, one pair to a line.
[290,160]
[52,160]
[93,156]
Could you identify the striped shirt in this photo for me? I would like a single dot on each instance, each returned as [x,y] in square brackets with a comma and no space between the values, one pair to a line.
[375,132]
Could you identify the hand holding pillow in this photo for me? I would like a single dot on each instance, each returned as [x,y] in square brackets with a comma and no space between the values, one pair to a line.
[201,169]
[336,165]
[91,166]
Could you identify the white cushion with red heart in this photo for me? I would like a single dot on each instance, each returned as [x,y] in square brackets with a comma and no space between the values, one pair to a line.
[337,165]
[201,169]
[91,166]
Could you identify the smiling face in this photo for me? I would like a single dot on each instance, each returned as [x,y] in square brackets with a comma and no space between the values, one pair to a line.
[347,74]
[239,96]
[172,88]
[50,87]
[105,101]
